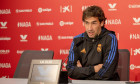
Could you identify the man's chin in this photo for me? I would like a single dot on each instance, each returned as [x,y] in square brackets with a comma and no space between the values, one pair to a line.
[91,36]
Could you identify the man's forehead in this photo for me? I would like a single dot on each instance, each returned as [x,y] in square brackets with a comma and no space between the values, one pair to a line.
[91,19]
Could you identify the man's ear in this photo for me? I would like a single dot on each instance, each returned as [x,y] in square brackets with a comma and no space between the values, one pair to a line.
[83,23]
[102,23]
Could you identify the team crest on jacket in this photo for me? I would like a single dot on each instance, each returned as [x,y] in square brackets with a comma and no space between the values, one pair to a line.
[83,51]
[99,48]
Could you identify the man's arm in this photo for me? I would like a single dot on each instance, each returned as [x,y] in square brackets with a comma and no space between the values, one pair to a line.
[96,67]
[110,60]
[74,71]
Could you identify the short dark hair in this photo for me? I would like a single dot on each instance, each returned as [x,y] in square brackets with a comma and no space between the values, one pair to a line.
[94,11]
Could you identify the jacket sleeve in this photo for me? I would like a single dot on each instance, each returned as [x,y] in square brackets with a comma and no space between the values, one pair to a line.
[74,71]
[110,60]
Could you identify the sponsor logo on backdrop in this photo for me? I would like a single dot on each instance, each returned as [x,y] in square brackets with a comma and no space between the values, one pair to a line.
[134,36]
[3,25]
[40,10]
[45,37]
[44,49]
[113,21]
[44,23]
[134,6]
[5,77]
[62,23]
[64,9]
[64,51]
[65,37]
[23,38]
[118,36]
[5,65]
[132,67]
[84,7]
[5,38]
[23,10]
[136,21]
[20,51]
[4,51]
[65,64]
[5,11]
[112,7]
[64,68]
[24,24]
[135,51]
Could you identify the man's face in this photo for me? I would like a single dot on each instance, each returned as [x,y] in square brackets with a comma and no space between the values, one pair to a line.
[93,26]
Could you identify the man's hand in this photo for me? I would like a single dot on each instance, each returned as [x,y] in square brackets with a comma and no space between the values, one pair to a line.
[79,64]
[98,67]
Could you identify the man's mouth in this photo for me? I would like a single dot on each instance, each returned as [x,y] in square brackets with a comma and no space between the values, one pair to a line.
[91,33]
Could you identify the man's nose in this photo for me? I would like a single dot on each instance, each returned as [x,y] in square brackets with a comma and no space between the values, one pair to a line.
[90,27]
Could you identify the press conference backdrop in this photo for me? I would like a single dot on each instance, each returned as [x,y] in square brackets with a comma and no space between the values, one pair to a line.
[52,24]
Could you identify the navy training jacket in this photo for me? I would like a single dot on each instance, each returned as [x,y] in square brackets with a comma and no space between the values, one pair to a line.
[103,49]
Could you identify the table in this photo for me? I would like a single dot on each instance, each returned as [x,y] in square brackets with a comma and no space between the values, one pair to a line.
[24,81]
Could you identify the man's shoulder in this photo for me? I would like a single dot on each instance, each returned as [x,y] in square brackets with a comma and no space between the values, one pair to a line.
[109,34]
[79,36]
[110,37]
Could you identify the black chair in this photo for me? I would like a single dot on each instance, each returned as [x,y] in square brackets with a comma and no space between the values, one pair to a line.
[123,65]
[23,67]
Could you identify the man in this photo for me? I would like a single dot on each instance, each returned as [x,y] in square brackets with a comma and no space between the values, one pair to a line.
[94,53]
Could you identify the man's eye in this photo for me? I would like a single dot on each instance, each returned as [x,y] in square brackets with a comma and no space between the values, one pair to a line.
[93,23]
[86,22]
